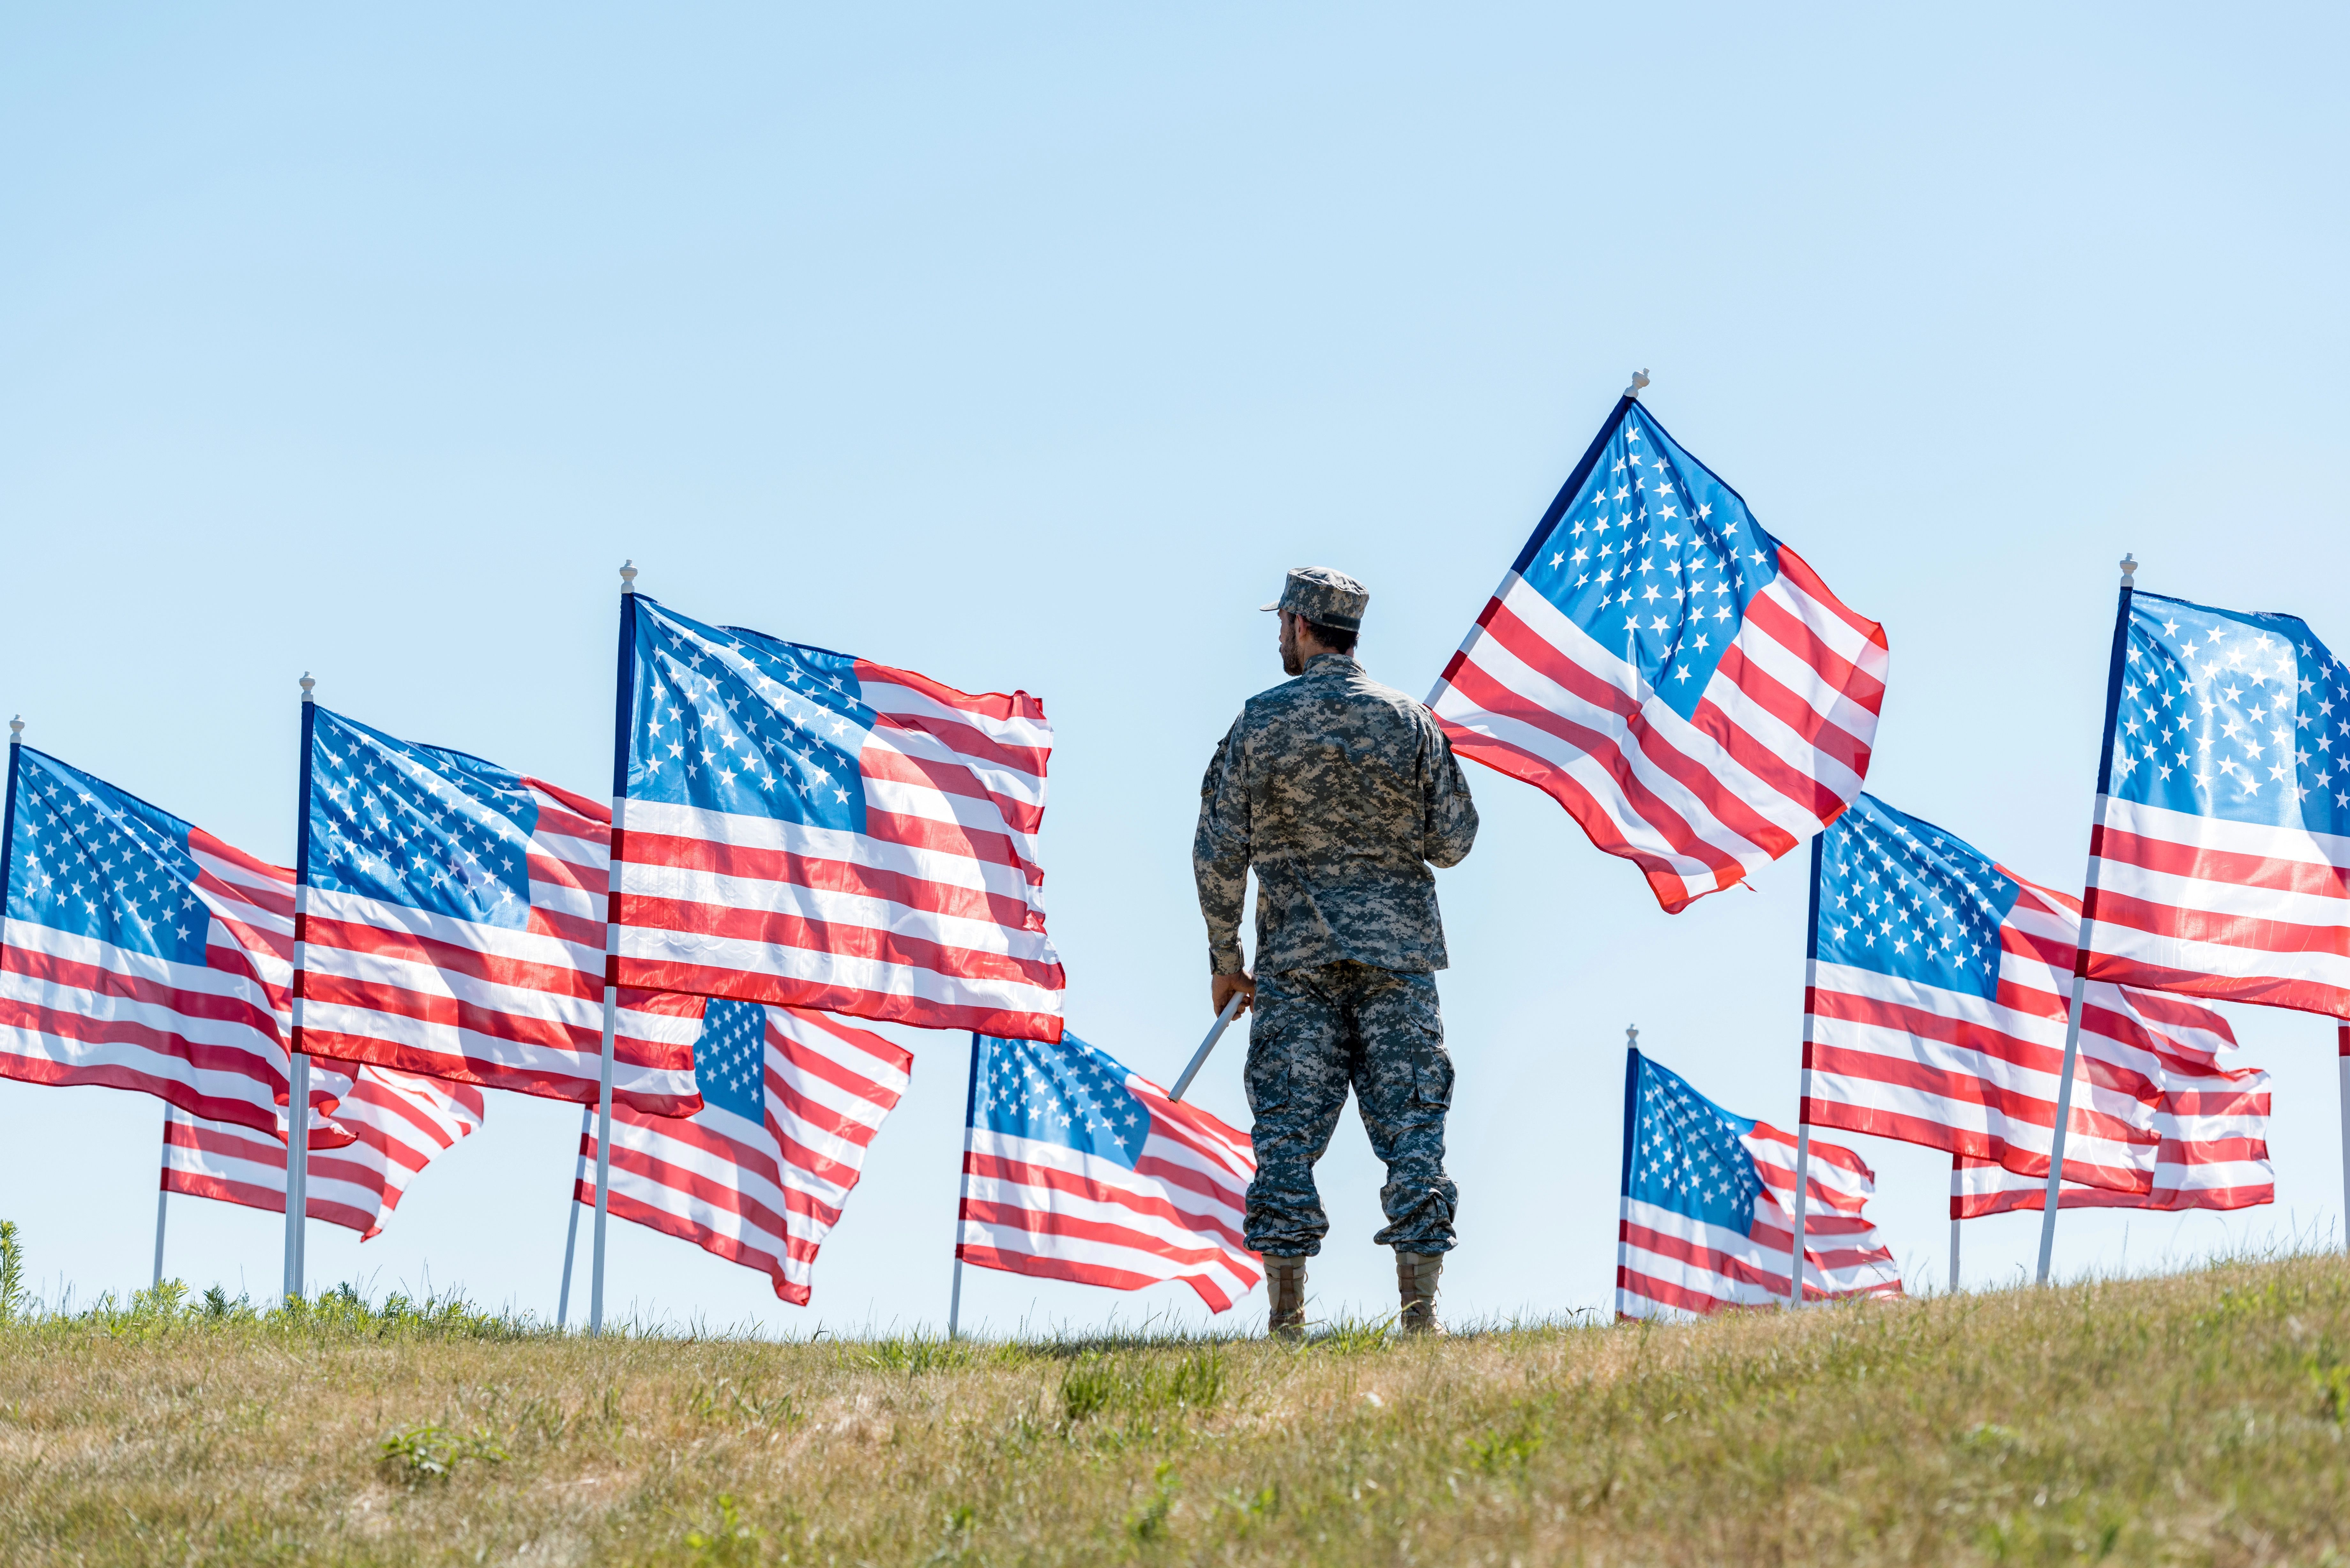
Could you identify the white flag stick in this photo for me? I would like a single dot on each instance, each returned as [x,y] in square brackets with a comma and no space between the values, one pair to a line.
[2342,1050]
[1954,1228]
[962,1189]
[612,947]
[1199,1057]
[1804,1088]
[298,1096]
[571,1231]
[163,1194]
[2088,905]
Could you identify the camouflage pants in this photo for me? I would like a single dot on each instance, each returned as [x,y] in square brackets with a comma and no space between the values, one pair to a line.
[1316,1033]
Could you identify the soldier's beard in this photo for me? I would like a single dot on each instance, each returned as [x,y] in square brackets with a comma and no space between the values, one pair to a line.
[1291,664]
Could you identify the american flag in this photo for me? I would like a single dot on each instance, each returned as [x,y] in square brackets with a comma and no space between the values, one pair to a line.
[1937,1013]
[790,1102]
[2219,869]
[453,925]
[1680,681]
[1076,1168]
[811,829]
[140,953]
[387,1128]
[2213,1121]
[1708,1222]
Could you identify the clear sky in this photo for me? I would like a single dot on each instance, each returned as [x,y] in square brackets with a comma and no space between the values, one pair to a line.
[1027,346]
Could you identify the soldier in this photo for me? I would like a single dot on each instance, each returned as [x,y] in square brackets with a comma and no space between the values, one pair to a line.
[1341,792]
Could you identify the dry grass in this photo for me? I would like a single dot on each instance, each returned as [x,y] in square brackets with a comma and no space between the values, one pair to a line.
[2194,1419]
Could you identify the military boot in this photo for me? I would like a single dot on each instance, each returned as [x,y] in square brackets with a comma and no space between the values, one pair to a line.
[1284,1281]
[1416,1275]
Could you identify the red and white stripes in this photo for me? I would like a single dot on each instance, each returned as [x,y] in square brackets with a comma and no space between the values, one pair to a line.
[763,1195]
[387,1127]
[2235,911]
[1671,1265]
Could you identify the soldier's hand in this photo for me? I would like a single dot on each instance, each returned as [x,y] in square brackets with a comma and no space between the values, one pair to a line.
[1223,987]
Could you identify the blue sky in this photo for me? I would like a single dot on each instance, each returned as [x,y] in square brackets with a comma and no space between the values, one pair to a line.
[1028,348]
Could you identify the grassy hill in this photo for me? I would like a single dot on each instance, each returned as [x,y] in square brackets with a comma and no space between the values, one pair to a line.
[2198,1418]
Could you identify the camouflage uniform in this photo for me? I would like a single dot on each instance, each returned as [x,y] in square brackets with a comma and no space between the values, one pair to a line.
[1340,793]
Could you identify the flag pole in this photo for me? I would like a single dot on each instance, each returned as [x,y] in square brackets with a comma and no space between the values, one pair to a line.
[1954,1226]
[624,700]
[1803,1091]
[2088,921]
[2341,1055]
[1624,1184]
[1199,1057]
[571,1233]
[962,1191]
[298,1090]
[163,1192]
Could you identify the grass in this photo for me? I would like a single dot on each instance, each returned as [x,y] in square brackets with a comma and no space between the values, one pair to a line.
[2200,1417]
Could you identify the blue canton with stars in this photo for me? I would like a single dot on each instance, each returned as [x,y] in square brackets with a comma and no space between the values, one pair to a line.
[1686,1157]
[418,825]
[1070,1094]
[1653,550]
[730,1060]
[1899,896]
[737,721]
[90,860]
[2242,716]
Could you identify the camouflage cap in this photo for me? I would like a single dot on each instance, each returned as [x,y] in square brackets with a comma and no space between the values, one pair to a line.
[1323,597]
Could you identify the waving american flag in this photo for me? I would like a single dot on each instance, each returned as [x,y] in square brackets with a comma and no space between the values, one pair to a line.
[453,924]
[140,952]
[790,1102]
[1677,679]
[1708,1219]
[815,830]
[1076,1168]
[2223,867]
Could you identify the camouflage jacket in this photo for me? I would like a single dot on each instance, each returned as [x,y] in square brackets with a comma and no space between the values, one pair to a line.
[1342,793]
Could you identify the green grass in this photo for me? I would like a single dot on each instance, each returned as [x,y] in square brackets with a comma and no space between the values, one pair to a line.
[2202,1417]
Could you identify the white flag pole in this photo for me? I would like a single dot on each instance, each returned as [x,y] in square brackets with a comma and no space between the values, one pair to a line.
[162,1193]
[1954,1225]
[1199,1057]
[2342,1056]
[962,1189]
[2088,922]
[623,721]
[571,1201]
[1624,1186]
[1804,1088]
[298,1096]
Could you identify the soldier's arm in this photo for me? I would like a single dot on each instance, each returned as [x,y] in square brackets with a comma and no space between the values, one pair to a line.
[1450,816]
[1220,852]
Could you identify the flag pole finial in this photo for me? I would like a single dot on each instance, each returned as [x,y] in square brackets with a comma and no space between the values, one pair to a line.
[17,731]
[629,576]
[1639,379]
[1632,1035]
[2129,571]
[306,684]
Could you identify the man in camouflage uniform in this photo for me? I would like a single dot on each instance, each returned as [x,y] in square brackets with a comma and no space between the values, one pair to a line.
[1341,792]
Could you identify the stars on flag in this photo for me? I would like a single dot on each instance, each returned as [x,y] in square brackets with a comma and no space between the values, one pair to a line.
[1658,559]
[1686,1153]
[1901,896]
[730,1059]
[734,721]
[418,825]
[1070,1094]
[2242,716]
[93,860]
